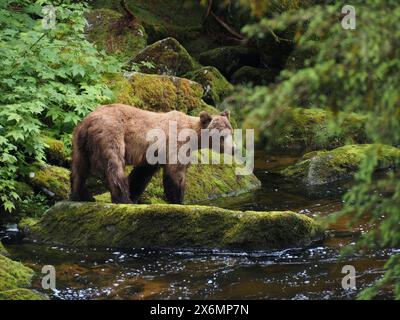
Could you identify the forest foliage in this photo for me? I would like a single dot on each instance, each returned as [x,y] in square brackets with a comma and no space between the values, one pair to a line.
[51,78]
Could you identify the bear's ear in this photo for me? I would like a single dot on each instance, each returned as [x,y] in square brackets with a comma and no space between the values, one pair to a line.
[226,113]
[205,119]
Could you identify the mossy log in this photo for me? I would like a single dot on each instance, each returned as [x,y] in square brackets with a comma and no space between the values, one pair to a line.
[170,226]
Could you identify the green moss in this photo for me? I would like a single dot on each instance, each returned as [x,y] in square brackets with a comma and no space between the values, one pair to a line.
[21,294]
[300,129]
[228,59]
[216,87]
[253,75]
[105,31]
[53,181]
[3,250]
[14,280]
[167,57]
[56,152]
[157,92]
[322,167]
[171,226]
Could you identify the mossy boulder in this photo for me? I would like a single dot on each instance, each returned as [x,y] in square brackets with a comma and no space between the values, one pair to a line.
[3,250]
[216,87]
[15,279]
[56,153]
[204,182]
[51,180]
[109,32]
[167,57]
[230,58]
[323,167]
[157,92]
[253,75]
[299,130]
[170,226]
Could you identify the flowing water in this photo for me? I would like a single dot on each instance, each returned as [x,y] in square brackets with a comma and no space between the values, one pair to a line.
[295,273]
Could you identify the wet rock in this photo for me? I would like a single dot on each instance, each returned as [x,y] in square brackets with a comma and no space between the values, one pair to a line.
[15,279]
[300,129]
[109,33]
[323,167]
[253,75]
[167,57]
[229,59]
[170,226]
[216,87]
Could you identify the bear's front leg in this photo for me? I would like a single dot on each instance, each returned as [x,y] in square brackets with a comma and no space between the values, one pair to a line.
[174,181]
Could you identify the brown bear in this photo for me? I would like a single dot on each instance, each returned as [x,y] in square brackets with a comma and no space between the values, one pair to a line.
[114,136]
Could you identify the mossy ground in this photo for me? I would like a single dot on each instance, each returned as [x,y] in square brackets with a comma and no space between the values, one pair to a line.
[106,33]
[15,278]
[216,87]
[322,167]
[171,226]
[299,130]
[167,57]
[56,153]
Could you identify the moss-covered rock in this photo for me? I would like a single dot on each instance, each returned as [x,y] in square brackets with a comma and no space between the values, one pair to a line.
[3,250]
[230,58]
[253,75]
[322,167]
[51,180]
[300,129]
[170,226]
[157,92]
[167,57]
[15,278]
[107,30]
[204,182]
[56,153]
[216,87]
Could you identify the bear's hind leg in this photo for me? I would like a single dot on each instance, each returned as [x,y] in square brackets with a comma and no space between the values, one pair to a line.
[117,182]
[174,182]
[139,178]
[79,173]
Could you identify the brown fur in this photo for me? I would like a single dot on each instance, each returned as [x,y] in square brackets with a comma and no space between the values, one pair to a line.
[114,136]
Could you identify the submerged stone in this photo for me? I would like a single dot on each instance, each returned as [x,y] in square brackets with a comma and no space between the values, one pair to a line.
[170,226]
[167,57]
[323,167]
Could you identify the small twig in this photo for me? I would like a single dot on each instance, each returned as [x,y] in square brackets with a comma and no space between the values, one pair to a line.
[227,27]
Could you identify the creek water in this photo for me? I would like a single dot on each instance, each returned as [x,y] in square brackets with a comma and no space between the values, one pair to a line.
[295,273]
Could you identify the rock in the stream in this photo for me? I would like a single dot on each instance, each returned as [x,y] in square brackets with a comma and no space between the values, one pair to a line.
[302,129]
[15,280]
[204,182]
[170,226]
[216,87]
[167,57]
[108,30]
[323,167]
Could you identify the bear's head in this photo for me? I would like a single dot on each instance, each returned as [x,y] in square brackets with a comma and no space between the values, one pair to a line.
[220,131]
